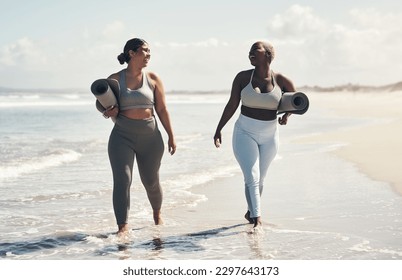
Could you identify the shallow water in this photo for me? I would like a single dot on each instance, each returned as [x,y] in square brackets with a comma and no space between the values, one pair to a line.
[55,190]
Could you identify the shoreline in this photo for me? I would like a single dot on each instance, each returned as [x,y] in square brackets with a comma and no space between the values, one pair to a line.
[225,200]
[375,147]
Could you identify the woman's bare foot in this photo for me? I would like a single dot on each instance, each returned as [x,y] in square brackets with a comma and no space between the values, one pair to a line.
[123,228]
[257,222]
[257,228]
[247,216]
[157,217]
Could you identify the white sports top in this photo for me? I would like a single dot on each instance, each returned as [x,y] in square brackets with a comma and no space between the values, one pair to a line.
[269,100]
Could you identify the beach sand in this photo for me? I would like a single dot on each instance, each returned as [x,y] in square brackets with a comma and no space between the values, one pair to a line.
[375,148]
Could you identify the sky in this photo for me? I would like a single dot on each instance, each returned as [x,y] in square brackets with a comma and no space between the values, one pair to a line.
[200,45]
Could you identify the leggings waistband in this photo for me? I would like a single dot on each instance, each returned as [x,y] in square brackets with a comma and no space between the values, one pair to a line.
[142,126]
[256,126]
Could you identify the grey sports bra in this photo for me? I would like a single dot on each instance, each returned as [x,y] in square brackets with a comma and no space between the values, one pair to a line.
[138,98]
[269,100]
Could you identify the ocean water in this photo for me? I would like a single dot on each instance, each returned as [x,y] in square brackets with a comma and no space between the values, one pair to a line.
[55,189]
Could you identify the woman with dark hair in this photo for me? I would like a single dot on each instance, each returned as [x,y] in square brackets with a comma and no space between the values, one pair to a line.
[135,133]
[255,135]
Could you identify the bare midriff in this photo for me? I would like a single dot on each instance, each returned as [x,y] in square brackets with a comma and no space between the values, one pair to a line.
[259,114]
[138,113]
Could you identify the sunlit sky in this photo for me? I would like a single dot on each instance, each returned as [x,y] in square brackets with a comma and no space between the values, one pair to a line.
[200,45]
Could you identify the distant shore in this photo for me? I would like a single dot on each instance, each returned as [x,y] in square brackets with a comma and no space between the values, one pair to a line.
[353,88]
[346,88]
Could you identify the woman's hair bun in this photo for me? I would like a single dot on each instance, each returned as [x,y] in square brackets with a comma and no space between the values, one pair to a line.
[121,58]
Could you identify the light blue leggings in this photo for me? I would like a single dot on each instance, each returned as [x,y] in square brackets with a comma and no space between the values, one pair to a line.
[255,144]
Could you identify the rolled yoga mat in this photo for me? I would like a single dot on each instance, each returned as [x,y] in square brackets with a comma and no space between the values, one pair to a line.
[106,92]
[293,102]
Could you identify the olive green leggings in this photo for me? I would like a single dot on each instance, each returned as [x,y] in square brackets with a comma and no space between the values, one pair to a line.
[128,140]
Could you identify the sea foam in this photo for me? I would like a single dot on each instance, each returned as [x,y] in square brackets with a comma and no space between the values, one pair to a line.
[50,159]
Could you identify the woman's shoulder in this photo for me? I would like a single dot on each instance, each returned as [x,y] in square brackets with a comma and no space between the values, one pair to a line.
[152,75]
[244,76]
[153,78]
[245,73]
[284,82]
[116,75]
[278,75]
[242,79]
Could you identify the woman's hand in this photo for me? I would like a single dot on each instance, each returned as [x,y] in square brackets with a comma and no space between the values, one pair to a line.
[218,139]
[111,111]
[284,119]
[172,146]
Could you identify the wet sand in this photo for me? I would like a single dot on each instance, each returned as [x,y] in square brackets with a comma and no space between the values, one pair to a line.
[375,148]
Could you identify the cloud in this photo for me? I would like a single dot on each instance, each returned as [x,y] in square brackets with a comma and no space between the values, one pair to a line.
[24,52]
[319,51]
[297,23]
[24,63]
[114,29]
[311,49]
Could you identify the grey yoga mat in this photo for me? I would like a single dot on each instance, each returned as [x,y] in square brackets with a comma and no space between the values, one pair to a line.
[105,91]
[294,102]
